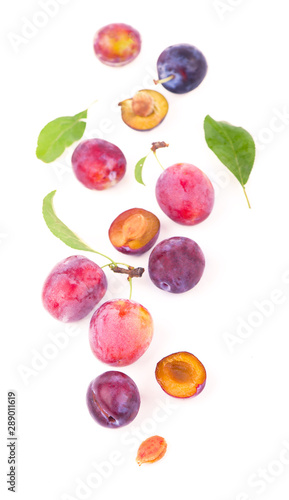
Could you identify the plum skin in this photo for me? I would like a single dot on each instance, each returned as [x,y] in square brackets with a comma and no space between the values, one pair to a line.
[186,63]
[98,164]
[113,399]
[117,44]
[185,194]
[73,288]
[120,332]
[176,264]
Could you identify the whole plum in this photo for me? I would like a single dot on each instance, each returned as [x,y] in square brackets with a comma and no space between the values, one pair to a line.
[73,288]
[185,194]
[176,264]
[117,44]
[113,399]
[98,164]
[181,68]
[120,332]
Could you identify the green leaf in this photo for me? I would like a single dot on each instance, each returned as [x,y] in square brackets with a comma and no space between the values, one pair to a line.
[234,146]
[59,229]
[138,170]
[58,135]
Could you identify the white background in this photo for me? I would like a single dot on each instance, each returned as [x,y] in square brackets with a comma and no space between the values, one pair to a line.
[230,442]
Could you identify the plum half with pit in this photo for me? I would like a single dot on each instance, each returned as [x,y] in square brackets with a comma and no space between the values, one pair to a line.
[145,110]
[181,68]
[120,332]
[117,44]
[113,399]
[73,288]
[98,164]
[134,231]
[181,375]
[176,264]
[185,194]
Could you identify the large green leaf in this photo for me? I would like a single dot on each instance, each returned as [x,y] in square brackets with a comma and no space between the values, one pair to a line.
[234,146]
[58,135]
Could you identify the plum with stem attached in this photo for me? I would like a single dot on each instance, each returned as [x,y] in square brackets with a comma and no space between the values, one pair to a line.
[181,68]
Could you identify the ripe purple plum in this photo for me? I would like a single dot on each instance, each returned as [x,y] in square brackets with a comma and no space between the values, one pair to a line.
[113,399]
[181,68]
[73,288]
[120,332]
[98,164]
[176,264]
[185,194]
[117,44]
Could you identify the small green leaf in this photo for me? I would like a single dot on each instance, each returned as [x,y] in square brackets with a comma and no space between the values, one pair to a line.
[58,135]
[138,170]
[234,146]
[59,229]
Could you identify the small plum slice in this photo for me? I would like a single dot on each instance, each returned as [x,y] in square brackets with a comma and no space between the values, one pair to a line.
[134,231]
[117,44]
[120,332]
[151,450]
[113,399]
[181,375]
[145,110]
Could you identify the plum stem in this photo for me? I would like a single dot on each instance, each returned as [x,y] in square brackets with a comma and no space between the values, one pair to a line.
[158,160]
[158,145]
[132,272]
[246,196]
[164,80]
[130,287]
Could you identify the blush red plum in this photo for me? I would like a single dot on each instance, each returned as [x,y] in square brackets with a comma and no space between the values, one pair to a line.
[185,194]
[73,288]
[98,164]
[117,44]
[120,332]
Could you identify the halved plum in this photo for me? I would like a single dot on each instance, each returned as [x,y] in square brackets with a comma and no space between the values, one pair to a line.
[145,110]
[134,231]
[181,375]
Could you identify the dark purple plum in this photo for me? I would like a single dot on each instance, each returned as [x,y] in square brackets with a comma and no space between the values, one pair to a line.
[176,264]
[113,399]
[182,66]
